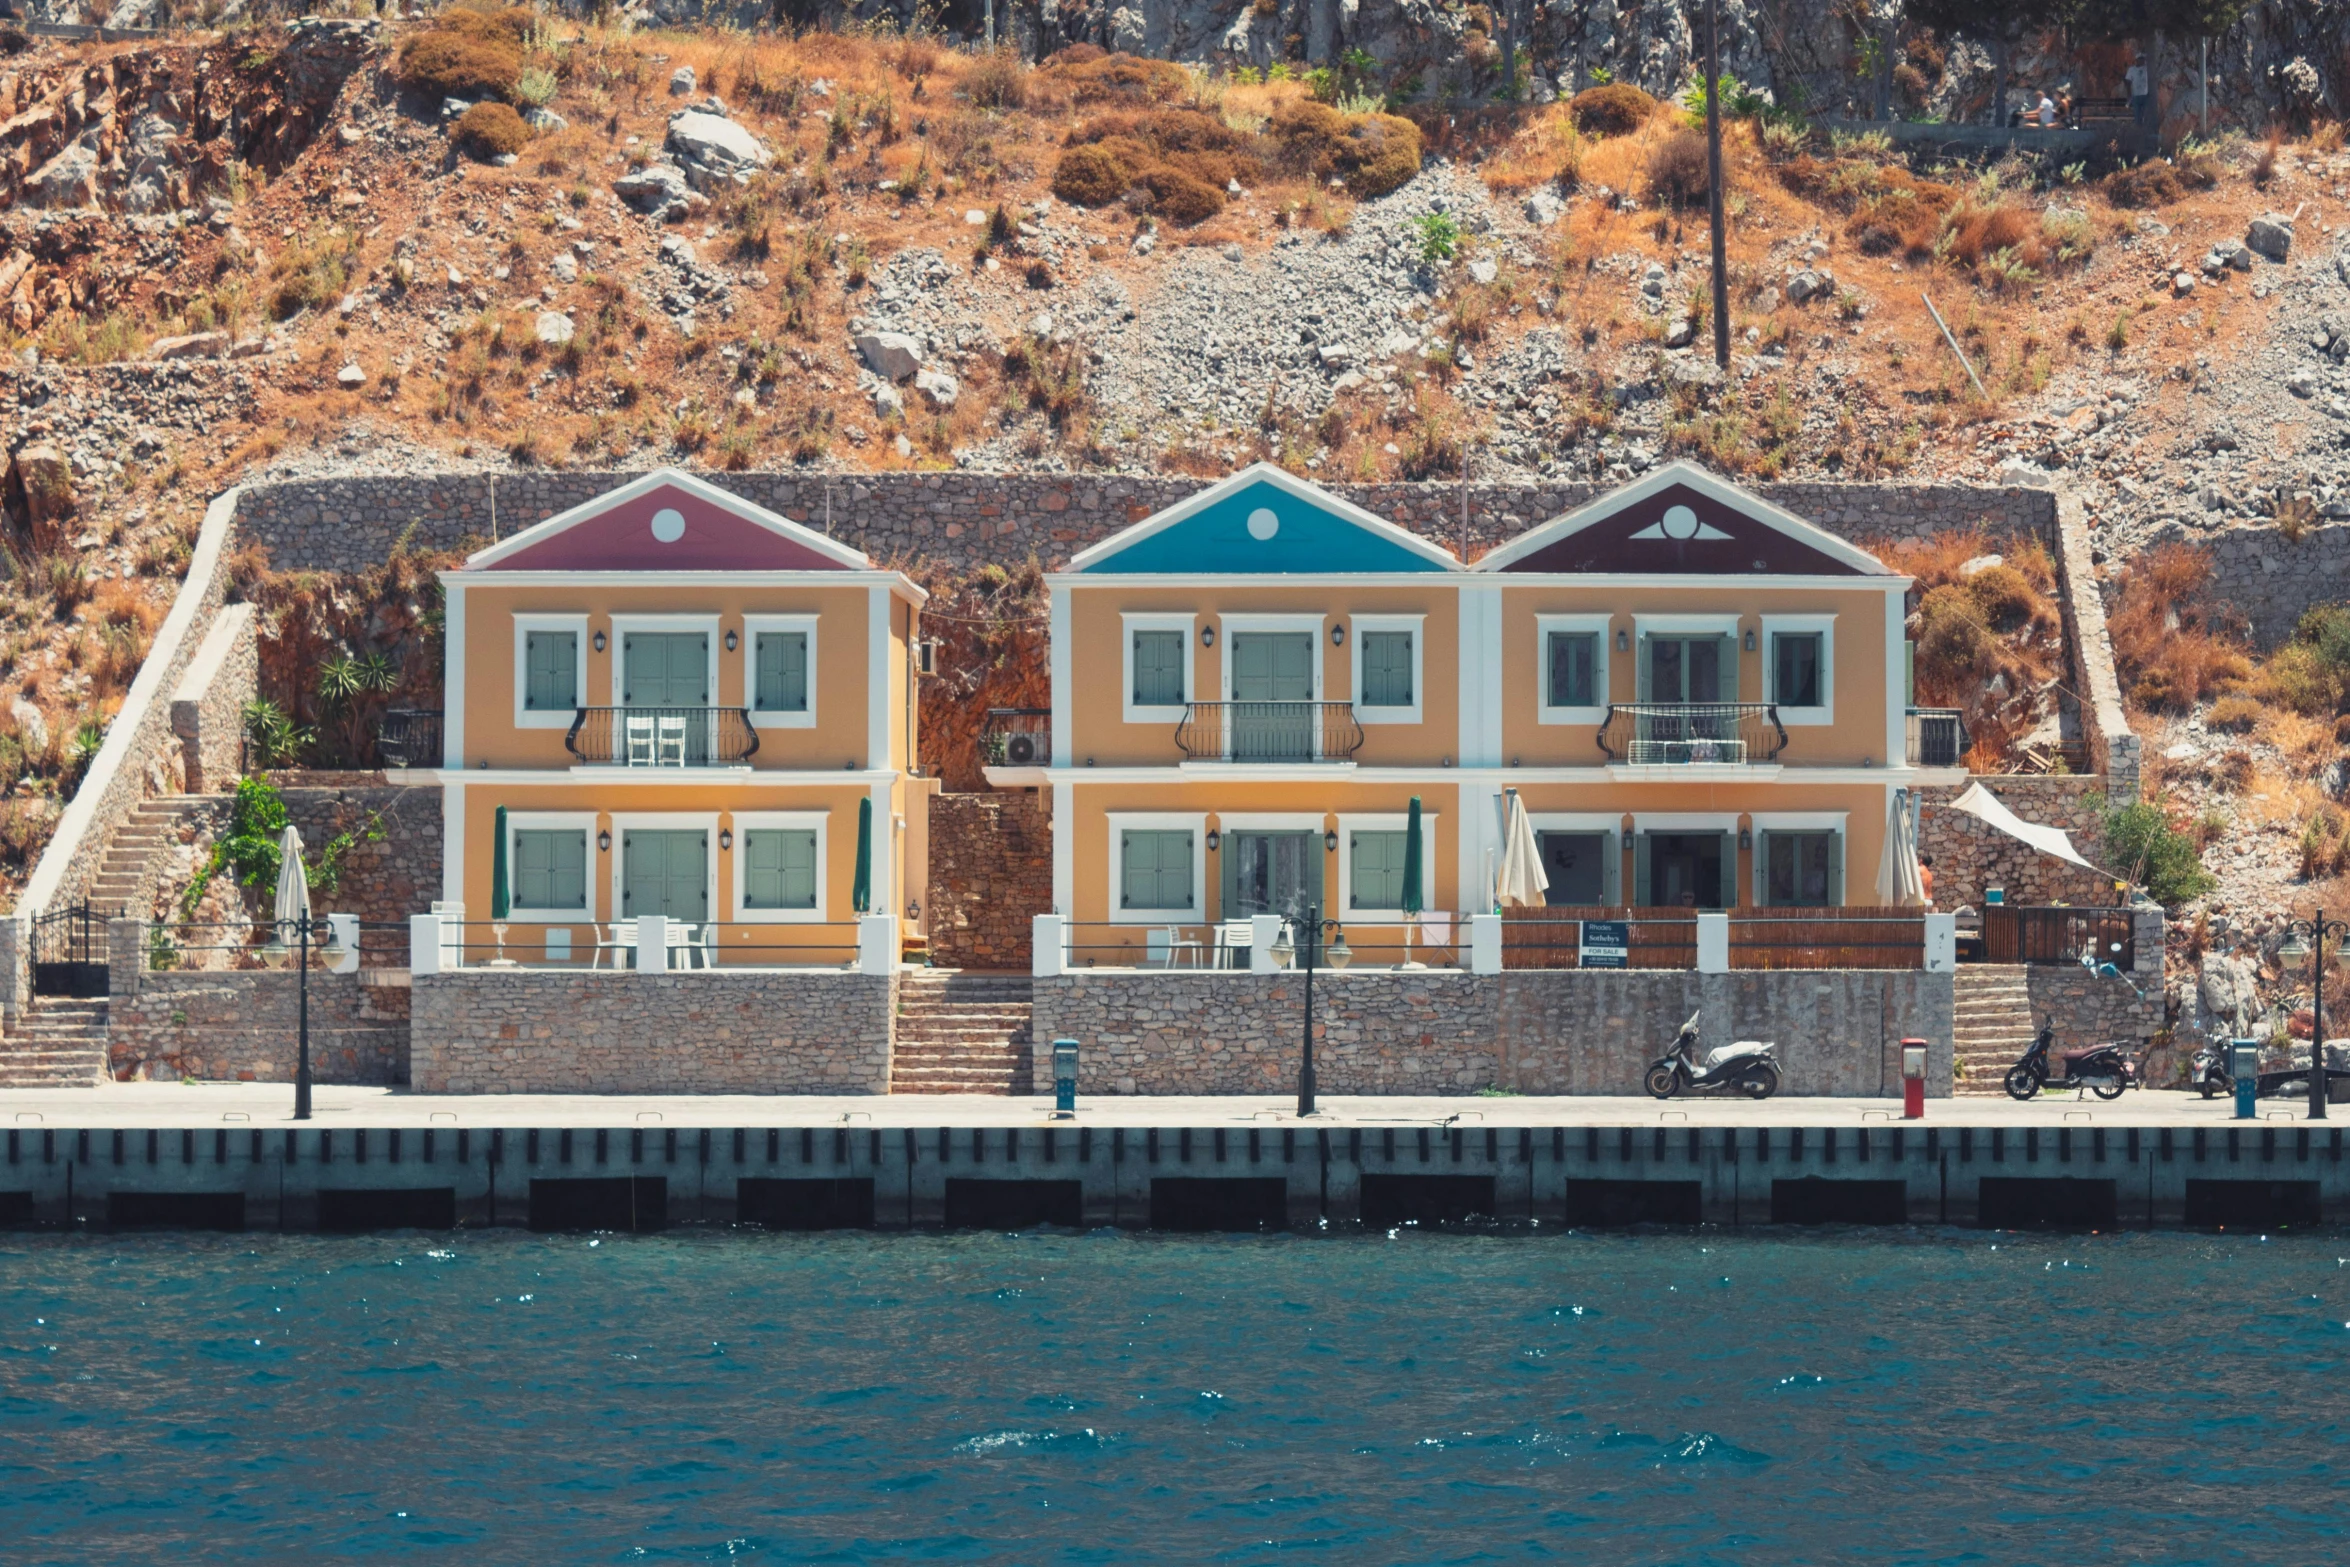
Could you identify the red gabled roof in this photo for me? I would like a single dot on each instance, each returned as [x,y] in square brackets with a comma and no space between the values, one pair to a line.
[668,521]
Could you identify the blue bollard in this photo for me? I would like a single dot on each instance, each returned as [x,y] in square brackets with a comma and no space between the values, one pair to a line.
[1064,1078]
[2244,1062]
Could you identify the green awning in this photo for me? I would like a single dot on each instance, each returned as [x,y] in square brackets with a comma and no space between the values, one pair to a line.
[861,894]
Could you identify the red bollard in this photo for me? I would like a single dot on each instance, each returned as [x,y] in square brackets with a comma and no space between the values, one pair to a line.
[1913,1080]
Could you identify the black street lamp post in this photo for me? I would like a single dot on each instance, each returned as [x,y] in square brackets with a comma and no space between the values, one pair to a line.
[1309,947]
[2316,931]
[303,929]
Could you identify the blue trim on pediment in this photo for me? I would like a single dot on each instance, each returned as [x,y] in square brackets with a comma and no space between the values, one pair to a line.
[1307,540]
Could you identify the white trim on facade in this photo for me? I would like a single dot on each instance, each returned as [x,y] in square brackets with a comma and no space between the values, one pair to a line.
[550,718]
[749,654]
[453,838]
[740,822]
[1382,821]
[1064,849]
[1413,713]
[1825,712]
[1896,682]
[1313,623]
[453,677]
[1130,622]
[1601,672]
[1281,479]
[1121,822]
[584,822]
[1480,671]
[1744,502]
[700,489]
[1059,657]
[877,725]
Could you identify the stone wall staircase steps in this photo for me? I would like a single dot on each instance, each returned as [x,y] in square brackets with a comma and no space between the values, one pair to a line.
[1992,1024]
[962,1032]
[60,1043]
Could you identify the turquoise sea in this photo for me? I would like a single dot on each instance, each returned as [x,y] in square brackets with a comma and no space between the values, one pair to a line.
[1412,1398]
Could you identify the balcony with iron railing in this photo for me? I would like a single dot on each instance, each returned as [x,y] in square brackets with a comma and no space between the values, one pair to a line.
[409,737]
[1017,737]
[661,737]
[1269,733]
[1688,734]
[1937,737]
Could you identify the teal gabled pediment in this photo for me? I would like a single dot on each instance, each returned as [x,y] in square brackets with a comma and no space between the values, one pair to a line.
[1263,527]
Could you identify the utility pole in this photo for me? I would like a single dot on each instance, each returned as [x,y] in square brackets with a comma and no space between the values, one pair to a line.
[1713,161]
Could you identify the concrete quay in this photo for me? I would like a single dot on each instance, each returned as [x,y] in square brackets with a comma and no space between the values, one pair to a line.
[132,1156]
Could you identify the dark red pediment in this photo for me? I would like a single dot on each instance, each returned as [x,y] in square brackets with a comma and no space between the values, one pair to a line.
[1681,529]
[673,525]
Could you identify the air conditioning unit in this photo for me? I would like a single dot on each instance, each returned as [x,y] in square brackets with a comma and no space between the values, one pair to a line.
[926,655]
[1020,750]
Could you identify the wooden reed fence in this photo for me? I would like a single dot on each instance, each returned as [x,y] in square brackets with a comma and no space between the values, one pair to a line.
[1666,938]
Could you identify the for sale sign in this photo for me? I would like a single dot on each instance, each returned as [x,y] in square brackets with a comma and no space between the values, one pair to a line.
[1606,944]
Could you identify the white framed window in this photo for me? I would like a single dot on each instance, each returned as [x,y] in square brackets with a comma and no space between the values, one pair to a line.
[1582,854]
[1157,667]
[1389,653]
[1158,868]
[1571,668]
[779,670]
[550,866]
[1686,658]
[1370,865]
[1799,667]
[1798,859]
[646,856]
[1272,638]
[1685,859]
[550,670]
[779,866]
[653,639]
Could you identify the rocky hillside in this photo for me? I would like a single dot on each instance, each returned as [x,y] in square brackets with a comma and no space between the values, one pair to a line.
[502,239]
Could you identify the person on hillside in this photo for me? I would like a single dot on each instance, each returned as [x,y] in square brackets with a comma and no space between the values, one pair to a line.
[2135,79]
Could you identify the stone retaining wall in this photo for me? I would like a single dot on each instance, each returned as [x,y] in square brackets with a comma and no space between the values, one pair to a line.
[387,880]
[970,519]
[991,874]
[1445,1032]
[2113,746]
[208,709]
[486,1031]
[243,1026]
[2267,579]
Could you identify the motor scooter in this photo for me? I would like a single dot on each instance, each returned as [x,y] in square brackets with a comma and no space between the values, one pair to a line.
[1746,1066]
[2209,1076]
[2104,1070]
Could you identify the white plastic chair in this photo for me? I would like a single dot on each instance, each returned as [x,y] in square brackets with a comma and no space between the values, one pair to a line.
[1234,938]
[685,944]
[1158,949]
[640,741]
[671,752]
[609,939]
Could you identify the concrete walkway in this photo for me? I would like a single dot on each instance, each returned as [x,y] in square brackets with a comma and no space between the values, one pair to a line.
[141,1105]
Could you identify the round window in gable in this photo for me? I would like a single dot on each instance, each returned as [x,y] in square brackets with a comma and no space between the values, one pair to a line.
[1680,523]
[669,525]
[1262,524]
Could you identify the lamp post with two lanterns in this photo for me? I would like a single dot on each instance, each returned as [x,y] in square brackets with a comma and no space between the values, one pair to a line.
[2298,936]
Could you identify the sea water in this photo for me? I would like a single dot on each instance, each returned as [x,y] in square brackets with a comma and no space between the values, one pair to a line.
[1910,1396]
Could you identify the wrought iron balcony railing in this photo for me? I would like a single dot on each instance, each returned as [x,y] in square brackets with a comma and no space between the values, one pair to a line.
[1017,737]
[661,736]
[409,737]
[1269,732]
[1678,734]
[1937,737]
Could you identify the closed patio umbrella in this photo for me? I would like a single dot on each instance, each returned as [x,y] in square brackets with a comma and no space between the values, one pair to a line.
[1522,881]
[1899,881]
[1413,894]
[293,887]
[861,892]
[501,898]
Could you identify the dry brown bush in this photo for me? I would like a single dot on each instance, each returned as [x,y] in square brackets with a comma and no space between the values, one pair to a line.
[2172,646]
[1118,78]
[490,130]
[1679,172]
[470,55]
[1372,153]
[1617,109]
[2151,184]
[997,79]
[1091,176]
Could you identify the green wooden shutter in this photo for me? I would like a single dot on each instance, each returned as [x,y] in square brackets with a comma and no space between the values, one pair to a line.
[782,685]
[1158,668]
[1729,667]
[1729,899]
[1156,870]
[1646,674]
[779,869]
[1377,872]
[1387,670]
[1835,870]
[550,869]
[1640,869]
[1762,869]
[551,669]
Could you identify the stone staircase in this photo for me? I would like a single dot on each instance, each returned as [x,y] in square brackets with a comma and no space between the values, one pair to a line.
[962,1032]
[126,878]
[1992,1024]
[61,1044]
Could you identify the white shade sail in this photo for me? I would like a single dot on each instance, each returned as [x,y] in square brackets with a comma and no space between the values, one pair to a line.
[1985,807]
[1522,881]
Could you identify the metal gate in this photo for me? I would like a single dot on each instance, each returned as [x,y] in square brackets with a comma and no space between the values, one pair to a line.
[69,952]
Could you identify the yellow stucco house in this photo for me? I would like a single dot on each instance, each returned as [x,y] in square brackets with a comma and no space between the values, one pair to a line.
[674,702]
[1701,700]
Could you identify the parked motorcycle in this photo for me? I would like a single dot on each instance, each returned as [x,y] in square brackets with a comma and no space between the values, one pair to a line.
[1746,1066]
[2208,1073]
[2105,1070]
